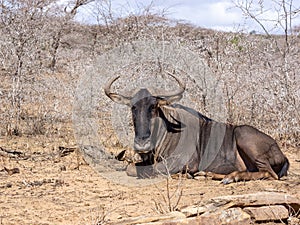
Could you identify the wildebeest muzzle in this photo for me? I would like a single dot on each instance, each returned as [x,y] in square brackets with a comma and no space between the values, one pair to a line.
[142,145]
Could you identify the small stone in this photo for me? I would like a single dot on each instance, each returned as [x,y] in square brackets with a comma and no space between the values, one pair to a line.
[268,213]
[62,168]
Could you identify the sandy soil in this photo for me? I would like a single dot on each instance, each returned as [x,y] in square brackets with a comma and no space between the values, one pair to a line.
[55,189]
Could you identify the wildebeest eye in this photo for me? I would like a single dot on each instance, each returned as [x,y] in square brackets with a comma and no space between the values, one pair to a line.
[133,108]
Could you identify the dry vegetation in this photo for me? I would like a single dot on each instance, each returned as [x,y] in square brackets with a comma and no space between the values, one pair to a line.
[41,50]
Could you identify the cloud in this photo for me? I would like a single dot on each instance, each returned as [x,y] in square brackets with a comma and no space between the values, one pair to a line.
[211,14]
[215,14]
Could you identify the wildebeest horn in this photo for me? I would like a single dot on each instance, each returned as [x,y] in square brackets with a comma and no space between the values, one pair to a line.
[114,96]
[176,96]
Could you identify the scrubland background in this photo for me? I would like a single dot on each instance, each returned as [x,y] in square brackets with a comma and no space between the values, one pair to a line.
[43,47]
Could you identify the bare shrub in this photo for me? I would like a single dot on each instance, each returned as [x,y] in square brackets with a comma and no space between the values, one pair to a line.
[43,49]
[169,196]
[275,66]
[30,38]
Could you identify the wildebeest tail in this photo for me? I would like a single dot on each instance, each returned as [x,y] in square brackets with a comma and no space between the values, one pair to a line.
[284,169]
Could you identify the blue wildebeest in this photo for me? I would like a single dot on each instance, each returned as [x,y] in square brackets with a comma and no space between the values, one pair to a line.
[172,138]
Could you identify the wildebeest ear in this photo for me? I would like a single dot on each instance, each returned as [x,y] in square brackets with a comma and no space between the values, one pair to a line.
[174,98]
[119,99]
[162,102]
[168,100]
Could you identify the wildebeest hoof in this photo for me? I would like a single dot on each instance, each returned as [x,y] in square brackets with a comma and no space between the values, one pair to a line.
[200,173]
[227,180]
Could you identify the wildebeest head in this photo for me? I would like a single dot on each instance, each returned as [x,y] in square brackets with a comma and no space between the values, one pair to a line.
[144,107]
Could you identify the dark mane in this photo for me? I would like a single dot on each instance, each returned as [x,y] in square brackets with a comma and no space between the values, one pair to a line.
[171,126]
[192,111]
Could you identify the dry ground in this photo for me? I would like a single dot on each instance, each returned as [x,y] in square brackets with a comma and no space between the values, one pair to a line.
[51,189]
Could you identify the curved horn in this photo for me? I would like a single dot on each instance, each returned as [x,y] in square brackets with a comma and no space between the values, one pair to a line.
[114,96]
[176,96]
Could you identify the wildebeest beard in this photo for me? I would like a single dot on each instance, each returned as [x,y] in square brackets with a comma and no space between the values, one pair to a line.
[164,130]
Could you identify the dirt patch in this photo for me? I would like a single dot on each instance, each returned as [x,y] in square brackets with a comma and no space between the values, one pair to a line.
[51,188]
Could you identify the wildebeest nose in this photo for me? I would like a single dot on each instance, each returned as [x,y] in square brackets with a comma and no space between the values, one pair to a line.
[142,139]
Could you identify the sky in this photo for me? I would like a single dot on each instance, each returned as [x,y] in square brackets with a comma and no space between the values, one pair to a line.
[214,14]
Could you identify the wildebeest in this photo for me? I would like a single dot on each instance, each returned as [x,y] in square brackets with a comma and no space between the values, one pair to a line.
[172,138]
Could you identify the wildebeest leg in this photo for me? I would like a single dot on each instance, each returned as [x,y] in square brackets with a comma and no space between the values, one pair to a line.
[235,176]
[264,172]
[139,165]
[258,151]
[213,176]
[142,169]
[139,171]
[246,176]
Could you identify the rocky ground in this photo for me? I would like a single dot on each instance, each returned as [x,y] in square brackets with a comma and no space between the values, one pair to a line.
[45,181]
